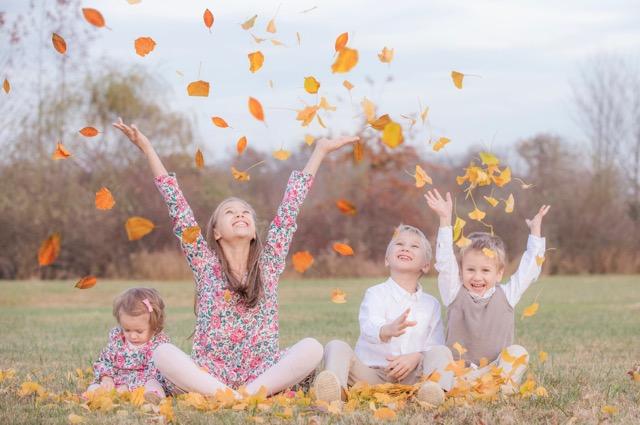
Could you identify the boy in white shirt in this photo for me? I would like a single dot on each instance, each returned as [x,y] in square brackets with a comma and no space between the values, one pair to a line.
[480,313]
[401,332]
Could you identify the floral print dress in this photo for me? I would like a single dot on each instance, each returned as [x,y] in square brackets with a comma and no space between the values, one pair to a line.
[234,343]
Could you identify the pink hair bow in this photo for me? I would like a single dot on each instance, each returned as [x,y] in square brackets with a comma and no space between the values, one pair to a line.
[148,304]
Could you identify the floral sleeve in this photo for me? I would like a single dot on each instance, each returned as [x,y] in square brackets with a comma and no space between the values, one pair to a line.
[284,225]
[198,254]
[104,365]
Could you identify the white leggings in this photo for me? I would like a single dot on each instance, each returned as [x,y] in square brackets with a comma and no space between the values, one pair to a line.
[300,360]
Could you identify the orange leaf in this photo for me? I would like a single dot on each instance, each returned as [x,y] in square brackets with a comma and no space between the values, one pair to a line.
[256,59]
[208,19]
[276,42]
[60,152]
[144,45]
[308,139]
[190,234]
[341,41]
[457,78]
[199,159]
[346,60]
[385,414]
[358,151]
[441,143]
[347,85]
[104,199]
[381,122]
[302,260]
[281,154]
[138,227]
[307,114]
[241,145]
[338,296]
[342,249]
[249,23]
[6,86]
[421,176]
[271,26]
[89,132]
[219,122]
[258,39]
[392,134]
[386,55]
[503,178]
[346,207]
[311,85]
[86,282]
[93,17]
[241,176]
[59,44]
[49,250]
[198,88]
[255,108]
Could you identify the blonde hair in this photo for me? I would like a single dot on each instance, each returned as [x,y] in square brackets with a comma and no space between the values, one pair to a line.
[482,240]
[132,303]
[407,228]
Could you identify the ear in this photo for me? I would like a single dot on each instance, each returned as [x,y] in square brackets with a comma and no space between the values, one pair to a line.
[216,234]
[426,268]
[386,261]
[500,274]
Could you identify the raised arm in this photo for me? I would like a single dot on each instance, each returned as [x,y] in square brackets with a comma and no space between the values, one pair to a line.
[449,282]
[140,140]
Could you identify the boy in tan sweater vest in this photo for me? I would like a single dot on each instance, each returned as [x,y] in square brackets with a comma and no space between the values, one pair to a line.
[480,313]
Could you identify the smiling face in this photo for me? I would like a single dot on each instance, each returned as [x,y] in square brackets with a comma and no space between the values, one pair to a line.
[480,272]
[137,329]
[234,220]
[407,253]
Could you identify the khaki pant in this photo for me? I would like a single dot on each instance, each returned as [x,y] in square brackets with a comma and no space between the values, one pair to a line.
[340,359]
[515,375]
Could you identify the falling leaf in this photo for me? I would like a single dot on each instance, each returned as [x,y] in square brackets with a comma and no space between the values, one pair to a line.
[346,207]
[49,250]
[144,45]
[392,134]
[249,23]
[241,145]
[137,227]
[241,176]
[219,122]
[86,282]
[421,176]
[319,118]
[531,310]
[74,419]
[381,122]
[208,19]
[489,252]
[423,117]
[358,151]
[457,78]
[134,1]
[281,154]
[386,55]
[463,242]
[302,260]
[347,85]
[609,410]
[503,178]
[199,159]
[104,199]
[89,132]
[341,41]
[441,143]
[524,185]
[93,17]
[311,85]
[369,109]
[307,114]
[489,159]
[459,348]
[255,108]
[276,42]
[60,152]
[338,296]
[384,414]
[342,249]
[477,214]
[258,39]
[457,228]
[309,139]
[256,59]
[271,26]
[542,356]
[6,86]
[410,118]
[324,104]
[539,260]
[59,44]
[509,204]
[346,60]
[198,88]
[491,200]
[190,234]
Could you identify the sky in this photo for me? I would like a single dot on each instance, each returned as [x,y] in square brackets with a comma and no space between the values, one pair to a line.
[521,57]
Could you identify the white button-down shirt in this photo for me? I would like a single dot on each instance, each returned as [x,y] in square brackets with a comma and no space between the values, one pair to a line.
[382,304]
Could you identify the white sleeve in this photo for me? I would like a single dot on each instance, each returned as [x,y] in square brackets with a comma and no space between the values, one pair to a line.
[528,270]
[436,337]
[371,317]
[449,283]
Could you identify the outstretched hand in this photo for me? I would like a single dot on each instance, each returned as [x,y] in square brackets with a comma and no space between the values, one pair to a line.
[330,145]
[441,206]
[535,224]
[132,132]
[397,327]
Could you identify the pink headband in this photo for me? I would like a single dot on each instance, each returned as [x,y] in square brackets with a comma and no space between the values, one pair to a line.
[148,304]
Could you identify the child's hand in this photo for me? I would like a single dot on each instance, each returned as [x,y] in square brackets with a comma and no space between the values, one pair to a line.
[135,135]
[401,366]
[397,327]
[107,383]
[441,206]
[330,145]
[535,224]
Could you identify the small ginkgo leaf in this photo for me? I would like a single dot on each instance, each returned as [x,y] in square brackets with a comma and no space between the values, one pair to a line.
[104,199]
[440,143]
[385,414]
[539,260]
[343,249]
[198,88]
[347,85]
[241,145]
[249,23]
[338,296]
[346,60]
[543,356]
[271,26]
[49,250]
[281,154]
[483,362]
[503,178]
[386,55]
[531,310]
[489,159]
[392,134]
[86,282]
[506,356]
[208,18]
[463,242]
[609,410]
[309,139]
[59,43]
[491,200]
[190,234]
[138,227]
[369,109]
[346,207]
[457,78]
[6,86]
[276,42]
[255,108]
[94,17]
[258,39]
[199,159]
[89,132]
[459,348]
[241,176]
[509,204]
[381,122]
[311,85]
[457,228]
[307,114]
[477,214]
[302,260]
[421,177]
[489,252]
[61,152]
[144,45]
[341,41]
[256,59]
[219,122]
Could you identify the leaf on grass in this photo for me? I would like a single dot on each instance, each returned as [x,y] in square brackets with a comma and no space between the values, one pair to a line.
[384,414]
[338,296]
[543,356]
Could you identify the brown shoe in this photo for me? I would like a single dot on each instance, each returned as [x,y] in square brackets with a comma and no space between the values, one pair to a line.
[327,386]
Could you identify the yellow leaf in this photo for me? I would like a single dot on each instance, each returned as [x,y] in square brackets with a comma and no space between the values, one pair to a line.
[542,356]
[307,114]
[463,242]
[541,392]
[609,410]
[338,296]
[198,88]
[381,122]
[489,159]
[271,26]
[29,387]
[281,154]
[457,78]
[242,176]
[74,419]
[503,178]
[324,104]
[441,143]
[137,397]
[166,409]
[311,85]
[138,227]
[249,23]
[227,295]
[190,234]
[7,374]
[392,134]
[346,60]
[491,200]
[385,414]
[386,55]
[308,139]
[635,376]
[459,348]
[477,214]
[531,310]
[489,252]
[506,356]
[457,228]
[347,85]
[199,159]
[369,109]
[341,41]
[104,199]
[509,204]
[539,260]
[421,177]
[256,59]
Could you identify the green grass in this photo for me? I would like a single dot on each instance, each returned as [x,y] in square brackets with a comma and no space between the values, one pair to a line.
[590,326]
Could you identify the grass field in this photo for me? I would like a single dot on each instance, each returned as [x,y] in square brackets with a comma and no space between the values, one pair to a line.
[590,326]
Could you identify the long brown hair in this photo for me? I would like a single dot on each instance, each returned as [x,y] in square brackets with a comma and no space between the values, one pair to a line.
[251,290]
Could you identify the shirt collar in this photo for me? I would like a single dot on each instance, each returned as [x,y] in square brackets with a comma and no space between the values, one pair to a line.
[400,294]
[486,295]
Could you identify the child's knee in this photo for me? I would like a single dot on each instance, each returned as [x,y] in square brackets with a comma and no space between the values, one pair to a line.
[440,351]
[161,353]
[336,345]
[314,350]
[517,351]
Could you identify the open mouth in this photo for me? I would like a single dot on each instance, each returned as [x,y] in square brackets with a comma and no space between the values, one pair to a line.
[404,257]
[240,223]
[478,286]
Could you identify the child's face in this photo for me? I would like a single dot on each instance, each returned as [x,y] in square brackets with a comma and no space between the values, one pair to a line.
[479,272]
[407,253]
[136,328]
[235,221]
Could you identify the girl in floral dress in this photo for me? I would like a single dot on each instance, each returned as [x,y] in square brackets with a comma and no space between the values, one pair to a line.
[126,363]
[235,342]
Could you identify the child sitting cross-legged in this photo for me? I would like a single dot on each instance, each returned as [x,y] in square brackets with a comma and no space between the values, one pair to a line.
[401,332]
